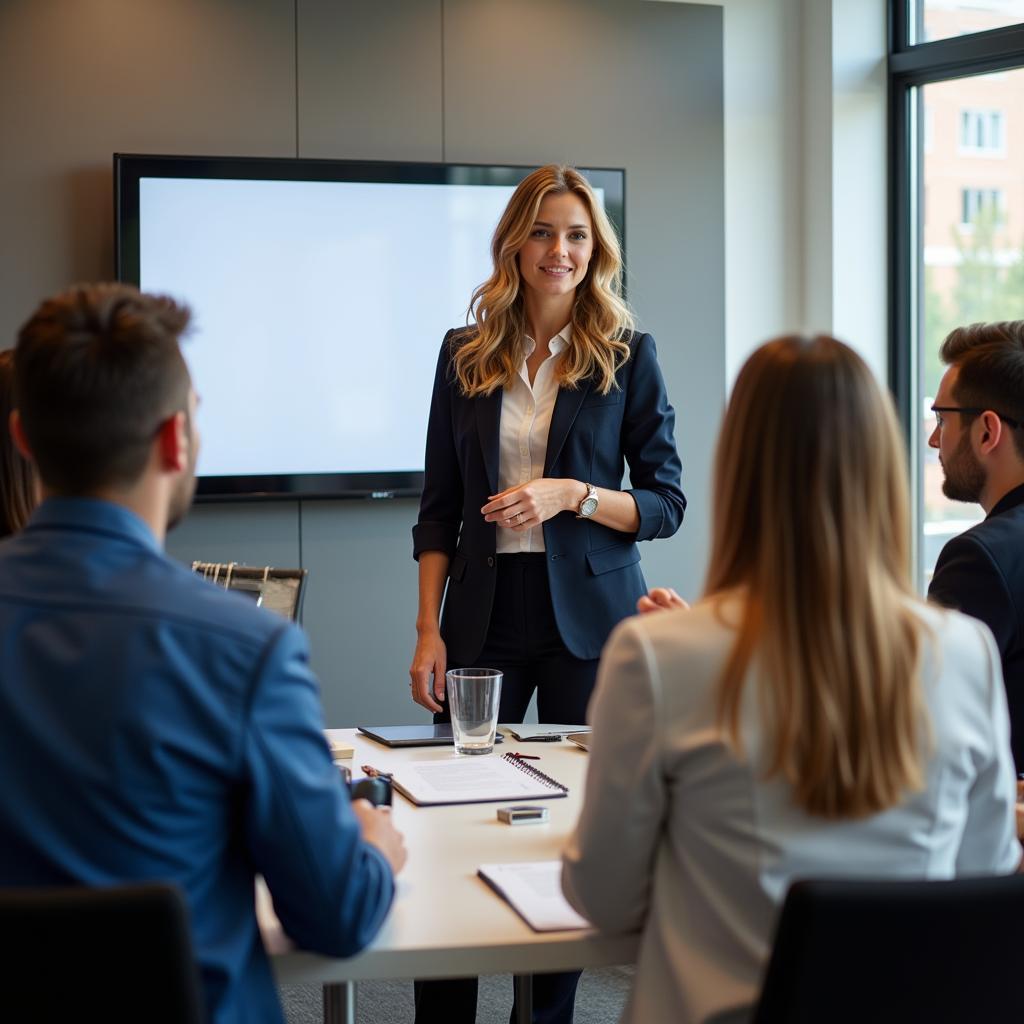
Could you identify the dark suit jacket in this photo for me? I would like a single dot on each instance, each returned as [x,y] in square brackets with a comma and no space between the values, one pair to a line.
[154,727]
[981,572]
[593,571]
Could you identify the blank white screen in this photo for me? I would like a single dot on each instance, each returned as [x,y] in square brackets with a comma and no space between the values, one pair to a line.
[319,311]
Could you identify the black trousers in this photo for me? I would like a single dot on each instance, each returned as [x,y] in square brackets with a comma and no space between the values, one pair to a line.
[523,641]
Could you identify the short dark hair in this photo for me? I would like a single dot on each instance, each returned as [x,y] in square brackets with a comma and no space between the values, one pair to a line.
[17,478]
[989,358]
[97,370]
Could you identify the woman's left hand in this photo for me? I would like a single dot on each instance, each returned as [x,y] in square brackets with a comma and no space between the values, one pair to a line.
[530,504]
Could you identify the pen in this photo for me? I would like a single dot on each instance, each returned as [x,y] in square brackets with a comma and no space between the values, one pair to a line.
[524,757]
[374,773]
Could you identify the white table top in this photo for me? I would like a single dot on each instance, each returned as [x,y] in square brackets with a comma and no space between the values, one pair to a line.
[445,921]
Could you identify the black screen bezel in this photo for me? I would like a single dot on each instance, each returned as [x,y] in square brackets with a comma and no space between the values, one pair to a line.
[131,168]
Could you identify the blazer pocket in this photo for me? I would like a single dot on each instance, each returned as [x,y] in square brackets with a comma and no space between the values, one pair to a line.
[599,401]
[457,568]
[618,557]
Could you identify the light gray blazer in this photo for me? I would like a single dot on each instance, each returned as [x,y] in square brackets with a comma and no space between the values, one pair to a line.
[680,839]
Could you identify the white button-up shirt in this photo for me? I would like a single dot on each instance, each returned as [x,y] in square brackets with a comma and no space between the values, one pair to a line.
[523,443]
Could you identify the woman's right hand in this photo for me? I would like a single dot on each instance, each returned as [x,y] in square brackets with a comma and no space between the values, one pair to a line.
[429,660]
[660,599]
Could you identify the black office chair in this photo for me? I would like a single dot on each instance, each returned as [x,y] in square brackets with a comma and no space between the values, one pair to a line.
[120,954]
[895,953]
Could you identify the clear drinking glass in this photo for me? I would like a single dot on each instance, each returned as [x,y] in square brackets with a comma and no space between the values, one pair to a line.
[473,696]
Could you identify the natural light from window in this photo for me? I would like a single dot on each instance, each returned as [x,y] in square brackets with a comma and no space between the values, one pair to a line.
[942,19]
[972,251]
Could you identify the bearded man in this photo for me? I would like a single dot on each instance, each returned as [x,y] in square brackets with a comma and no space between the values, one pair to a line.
[979,433]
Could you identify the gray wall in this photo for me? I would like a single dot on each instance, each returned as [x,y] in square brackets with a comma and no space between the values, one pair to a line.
[616,83]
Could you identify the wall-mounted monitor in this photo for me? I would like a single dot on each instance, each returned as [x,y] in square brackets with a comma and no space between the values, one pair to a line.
[321,290]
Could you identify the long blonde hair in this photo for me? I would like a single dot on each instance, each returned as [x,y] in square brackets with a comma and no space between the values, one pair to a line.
[489,352]
[812,522]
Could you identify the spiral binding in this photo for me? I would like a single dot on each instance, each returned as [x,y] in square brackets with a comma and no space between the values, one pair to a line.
[534,773]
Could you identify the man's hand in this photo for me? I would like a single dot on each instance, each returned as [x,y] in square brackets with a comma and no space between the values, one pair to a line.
[530,504]
[659,599]
[377,830]
[430,659]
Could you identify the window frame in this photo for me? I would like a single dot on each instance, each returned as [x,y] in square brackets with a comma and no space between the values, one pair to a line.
[910,66]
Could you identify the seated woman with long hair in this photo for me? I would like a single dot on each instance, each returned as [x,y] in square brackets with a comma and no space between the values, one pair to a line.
[18,487]
[810,716]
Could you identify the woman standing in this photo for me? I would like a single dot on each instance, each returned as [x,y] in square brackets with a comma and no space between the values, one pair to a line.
[537,407]
[809,717]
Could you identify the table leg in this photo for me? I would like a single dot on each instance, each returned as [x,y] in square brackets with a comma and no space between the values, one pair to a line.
[522,985]
[340,1003]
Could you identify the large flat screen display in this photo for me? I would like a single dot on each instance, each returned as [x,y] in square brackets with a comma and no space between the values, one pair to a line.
[321,291]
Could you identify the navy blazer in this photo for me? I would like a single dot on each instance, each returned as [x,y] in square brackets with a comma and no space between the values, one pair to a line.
[981,573]
[154,727]
[593,570]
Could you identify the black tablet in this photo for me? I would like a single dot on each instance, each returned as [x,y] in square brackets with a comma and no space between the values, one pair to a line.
[413,735]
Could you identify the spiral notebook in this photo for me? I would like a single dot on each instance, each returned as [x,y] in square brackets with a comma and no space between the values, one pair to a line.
[474,780]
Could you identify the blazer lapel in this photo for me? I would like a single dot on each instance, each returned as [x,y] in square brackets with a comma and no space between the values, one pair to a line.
[567,405]
[488,419]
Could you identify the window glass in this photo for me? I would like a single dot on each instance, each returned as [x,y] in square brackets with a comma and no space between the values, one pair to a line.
[972,250]
[981,132]
[941,19]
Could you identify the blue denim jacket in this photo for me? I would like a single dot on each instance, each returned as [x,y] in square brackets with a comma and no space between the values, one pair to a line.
[153,726]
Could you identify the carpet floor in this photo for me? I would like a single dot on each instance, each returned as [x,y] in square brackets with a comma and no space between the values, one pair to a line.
[599,999]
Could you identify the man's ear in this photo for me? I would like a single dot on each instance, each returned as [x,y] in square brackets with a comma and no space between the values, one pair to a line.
[17,430]
[990,432]
[172,440]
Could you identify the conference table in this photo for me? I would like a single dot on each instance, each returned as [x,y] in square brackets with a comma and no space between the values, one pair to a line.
[445,921]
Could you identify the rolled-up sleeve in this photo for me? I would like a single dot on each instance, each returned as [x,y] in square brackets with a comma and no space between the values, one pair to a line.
[648,444]
[437,527]
[331,890]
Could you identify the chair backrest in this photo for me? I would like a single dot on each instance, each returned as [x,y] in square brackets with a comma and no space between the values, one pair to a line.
[943,952]
[113,954]
[280,590]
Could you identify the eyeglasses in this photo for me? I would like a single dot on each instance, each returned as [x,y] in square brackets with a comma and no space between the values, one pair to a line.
[970,410]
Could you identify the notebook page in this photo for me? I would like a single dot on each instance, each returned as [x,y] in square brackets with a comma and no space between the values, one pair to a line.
[534,891]
[469,780]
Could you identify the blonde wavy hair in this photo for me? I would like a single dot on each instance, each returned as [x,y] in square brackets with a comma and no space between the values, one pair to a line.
[489,351]
[812,523]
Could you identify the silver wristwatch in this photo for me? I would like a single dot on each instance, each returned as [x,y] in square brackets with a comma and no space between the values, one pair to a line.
[588,506]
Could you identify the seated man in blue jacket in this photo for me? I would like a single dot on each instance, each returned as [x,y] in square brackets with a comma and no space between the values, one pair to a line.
[152,726]
[979,432]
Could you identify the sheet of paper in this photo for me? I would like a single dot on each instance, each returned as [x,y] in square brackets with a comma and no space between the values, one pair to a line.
[534,891]
[467,780]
